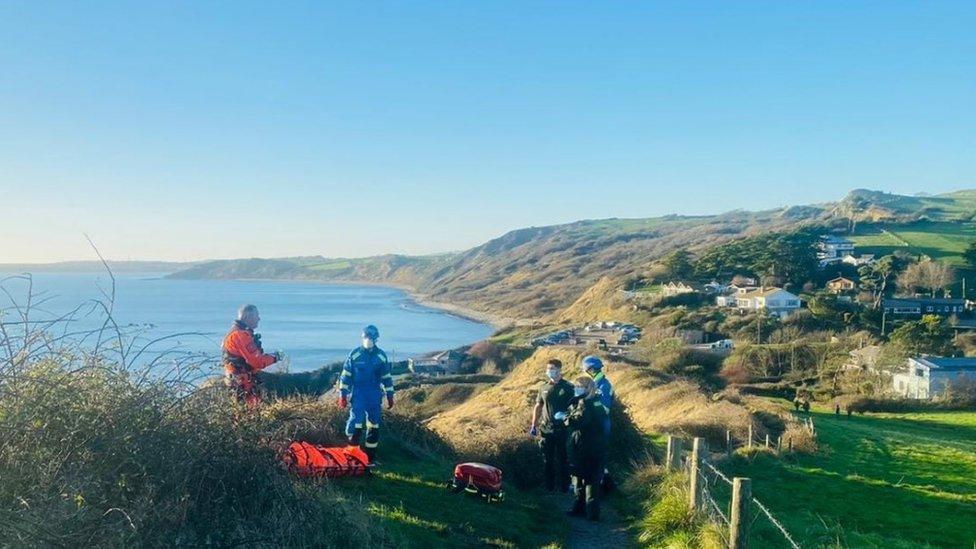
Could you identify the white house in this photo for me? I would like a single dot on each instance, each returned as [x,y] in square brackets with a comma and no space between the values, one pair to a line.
[776,301]
[863,259]
[834,247]
[928,377]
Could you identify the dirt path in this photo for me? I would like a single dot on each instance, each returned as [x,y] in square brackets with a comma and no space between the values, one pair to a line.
[609,532]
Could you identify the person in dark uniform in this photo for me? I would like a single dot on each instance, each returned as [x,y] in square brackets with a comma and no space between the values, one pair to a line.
[550,409]
[587,447]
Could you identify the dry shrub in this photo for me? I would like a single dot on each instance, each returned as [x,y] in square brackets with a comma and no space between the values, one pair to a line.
[804,442]
[91,457]
[659,404]
[426,401]
[735,372]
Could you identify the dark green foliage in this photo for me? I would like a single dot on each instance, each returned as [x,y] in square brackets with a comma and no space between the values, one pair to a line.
[970,254]
[929,335]
[790,257]
[678,264]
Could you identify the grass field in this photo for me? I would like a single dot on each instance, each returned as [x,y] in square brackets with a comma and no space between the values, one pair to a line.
[409,497]
[938,240]
[882,480]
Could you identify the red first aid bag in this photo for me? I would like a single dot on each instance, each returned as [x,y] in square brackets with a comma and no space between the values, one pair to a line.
[478,478]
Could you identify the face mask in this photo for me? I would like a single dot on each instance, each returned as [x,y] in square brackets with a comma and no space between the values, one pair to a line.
[368,343]
[579,391]
[552,374]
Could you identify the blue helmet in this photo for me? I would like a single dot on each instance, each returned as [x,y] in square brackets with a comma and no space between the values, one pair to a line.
[370,332]
[592,363]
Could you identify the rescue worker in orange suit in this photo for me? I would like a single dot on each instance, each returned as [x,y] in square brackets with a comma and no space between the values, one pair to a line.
[365,378]
[243,356]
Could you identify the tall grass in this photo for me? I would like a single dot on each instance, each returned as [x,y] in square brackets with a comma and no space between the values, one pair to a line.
[667,519]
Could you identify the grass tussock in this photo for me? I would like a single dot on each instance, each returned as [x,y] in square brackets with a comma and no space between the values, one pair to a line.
[667,520]
[91,457]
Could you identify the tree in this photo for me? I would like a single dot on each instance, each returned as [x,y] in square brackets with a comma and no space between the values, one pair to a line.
[876,278]
[970,254]
[929,275]
[931,335]
[678,263]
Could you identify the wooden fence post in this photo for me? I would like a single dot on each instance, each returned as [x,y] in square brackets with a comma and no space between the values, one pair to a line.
[750,437]
[789,442]
[673,458]
[694,487]
[767,441]
[739,519]
[728,442]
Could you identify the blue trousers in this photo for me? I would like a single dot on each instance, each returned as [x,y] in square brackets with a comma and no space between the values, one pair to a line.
[364,413]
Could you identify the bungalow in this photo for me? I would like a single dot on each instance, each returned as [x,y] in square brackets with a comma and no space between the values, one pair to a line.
[677,288]
[446,361]
[776,301]
[918,306]
[730,297]
[840,285]
[863,259]
[928,377]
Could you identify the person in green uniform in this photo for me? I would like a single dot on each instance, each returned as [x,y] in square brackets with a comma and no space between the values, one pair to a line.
[587,446]
[550,408]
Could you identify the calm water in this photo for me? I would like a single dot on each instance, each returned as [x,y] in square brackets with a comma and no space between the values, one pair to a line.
[313,323]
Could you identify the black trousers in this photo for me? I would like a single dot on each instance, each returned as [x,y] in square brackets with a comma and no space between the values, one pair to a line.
[554,454]
[587,480]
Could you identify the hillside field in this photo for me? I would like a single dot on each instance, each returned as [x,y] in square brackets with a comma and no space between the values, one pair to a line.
[939,240]
[880,480]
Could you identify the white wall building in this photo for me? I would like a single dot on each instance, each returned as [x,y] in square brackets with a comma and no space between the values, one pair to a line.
[928,377]
[775,301]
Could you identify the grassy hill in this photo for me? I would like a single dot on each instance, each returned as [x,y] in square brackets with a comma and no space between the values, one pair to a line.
[943,240]
[884,480]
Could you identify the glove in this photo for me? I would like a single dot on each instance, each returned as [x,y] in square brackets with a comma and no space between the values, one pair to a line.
[389,402]
[559,416]
[534,431]
[343,403]
[278,355]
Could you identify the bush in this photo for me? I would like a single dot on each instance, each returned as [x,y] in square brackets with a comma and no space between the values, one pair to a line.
[91,456]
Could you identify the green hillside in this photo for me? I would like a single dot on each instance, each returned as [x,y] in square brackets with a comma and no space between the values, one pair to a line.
[884,480]
[944,240]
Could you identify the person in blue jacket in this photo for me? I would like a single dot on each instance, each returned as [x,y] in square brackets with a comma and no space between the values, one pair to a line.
[364,380]
[593,367]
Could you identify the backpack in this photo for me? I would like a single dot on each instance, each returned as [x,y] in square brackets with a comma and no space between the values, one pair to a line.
[478,478]
[309,460]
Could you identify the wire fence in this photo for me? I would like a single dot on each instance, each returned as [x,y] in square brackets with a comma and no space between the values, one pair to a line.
[709,495]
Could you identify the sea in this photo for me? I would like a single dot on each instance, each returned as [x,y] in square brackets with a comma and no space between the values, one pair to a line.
[314,324]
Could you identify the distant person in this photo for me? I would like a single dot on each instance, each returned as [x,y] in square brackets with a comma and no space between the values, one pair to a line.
[243,356]
[365,378]
[593,367]
[587,447]
[551,407]
[837,410]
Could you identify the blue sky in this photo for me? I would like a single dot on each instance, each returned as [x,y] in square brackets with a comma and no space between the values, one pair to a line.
[189,130]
